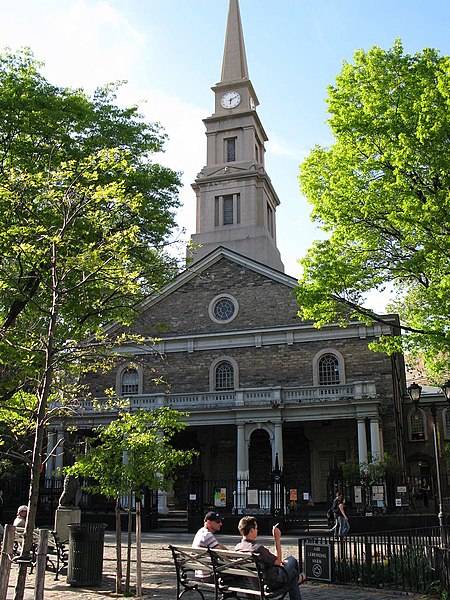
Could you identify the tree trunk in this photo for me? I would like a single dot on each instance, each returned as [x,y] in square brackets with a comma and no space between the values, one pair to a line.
[138,550]
[33,493]
[118,548]
[36,462]
[130,528]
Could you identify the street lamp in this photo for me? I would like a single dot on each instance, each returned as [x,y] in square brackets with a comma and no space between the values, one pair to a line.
[415,391]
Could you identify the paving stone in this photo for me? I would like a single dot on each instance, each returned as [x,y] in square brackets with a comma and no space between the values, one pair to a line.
[158,574]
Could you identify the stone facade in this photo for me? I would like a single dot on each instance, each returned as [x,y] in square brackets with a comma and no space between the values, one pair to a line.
[276,401]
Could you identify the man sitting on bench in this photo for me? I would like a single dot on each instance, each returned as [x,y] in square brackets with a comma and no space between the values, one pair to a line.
[248,528]
[205,538]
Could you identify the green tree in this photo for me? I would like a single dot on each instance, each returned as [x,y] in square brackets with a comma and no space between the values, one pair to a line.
[133,452]
[85,217]
[17,429]
[381,193]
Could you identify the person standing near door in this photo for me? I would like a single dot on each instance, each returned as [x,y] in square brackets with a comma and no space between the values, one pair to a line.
[425,489]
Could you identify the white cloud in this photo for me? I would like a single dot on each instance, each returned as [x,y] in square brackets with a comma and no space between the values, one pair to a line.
[279,147]
[185,149]
[87,44]
[83,44]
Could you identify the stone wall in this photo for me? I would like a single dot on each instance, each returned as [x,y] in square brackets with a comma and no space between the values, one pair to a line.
[262,303]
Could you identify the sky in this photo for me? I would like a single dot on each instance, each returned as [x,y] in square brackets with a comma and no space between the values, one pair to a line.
[170,54]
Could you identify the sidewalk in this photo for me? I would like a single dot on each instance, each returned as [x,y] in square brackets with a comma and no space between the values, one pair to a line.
[158,574]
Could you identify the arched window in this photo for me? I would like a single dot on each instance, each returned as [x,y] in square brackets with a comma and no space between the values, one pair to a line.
[130,382]
[224,376]
[446,419]
[328,367]
[417,425]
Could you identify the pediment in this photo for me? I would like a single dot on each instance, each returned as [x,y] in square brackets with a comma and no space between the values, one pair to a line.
[182,305]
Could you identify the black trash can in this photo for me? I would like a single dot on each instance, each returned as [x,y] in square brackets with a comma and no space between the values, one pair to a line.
[86,542]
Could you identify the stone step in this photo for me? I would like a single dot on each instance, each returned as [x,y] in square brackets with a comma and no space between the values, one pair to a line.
[174,521]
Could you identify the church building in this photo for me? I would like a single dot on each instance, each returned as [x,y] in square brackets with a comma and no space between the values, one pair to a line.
[263,389]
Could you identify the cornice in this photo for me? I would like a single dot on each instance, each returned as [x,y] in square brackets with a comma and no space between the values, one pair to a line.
[257,338]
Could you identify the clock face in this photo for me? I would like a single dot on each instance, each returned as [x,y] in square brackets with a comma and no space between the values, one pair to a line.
[230,100]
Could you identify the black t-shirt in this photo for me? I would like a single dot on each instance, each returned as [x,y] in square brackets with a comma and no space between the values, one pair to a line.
[335,506]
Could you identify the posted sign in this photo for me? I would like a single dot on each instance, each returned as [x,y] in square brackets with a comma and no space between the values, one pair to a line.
[220,497]
[318,561]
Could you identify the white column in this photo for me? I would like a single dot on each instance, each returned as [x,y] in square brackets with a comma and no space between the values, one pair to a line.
[242,452]
[381,440]
[163,502]
[50,464]
[362,441]
[278,449]
[163,495]
[375,445]
[242,469]
[278,445]
[59,454]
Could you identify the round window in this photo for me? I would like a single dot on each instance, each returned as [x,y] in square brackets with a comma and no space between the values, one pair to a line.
[223,309]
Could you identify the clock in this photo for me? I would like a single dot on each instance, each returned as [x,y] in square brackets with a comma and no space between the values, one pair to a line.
[252,104]
[230,100]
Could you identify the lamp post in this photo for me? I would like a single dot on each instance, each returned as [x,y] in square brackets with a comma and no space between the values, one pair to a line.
[415,391]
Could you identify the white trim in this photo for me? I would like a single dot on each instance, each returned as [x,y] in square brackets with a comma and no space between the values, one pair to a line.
[205,263]
[213,303]
[341,363]
[119,374]
[257,338]
[250,429]
[422,414]
[212,372]
[218,254]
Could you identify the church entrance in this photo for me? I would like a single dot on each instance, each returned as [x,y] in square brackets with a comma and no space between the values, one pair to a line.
[297,460]
[260,457]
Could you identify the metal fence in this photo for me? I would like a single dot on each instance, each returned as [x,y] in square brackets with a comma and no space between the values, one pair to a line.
[410,560]
[16,491]
[388,496]
[237,496]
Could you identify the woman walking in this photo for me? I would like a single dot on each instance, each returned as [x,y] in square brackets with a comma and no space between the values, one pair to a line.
[343,524]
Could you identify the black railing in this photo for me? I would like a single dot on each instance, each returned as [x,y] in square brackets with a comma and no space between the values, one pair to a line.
[237,496]
[410,560]
[394,494]
[16,492]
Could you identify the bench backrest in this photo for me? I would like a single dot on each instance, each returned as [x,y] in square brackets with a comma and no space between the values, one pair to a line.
[231,571]
[235,571]
[188,560]
[238,564]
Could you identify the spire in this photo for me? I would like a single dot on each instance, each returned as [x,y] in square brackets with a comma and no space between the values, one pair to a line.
[234,64]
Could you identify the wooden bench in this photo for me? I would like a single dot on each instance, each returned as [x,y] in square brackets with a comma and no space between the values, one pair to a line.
[232,574]
[57,551]
[187,562]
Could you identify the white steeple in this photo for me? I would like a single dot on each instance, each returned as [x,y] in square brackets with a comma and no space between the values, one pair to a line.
[236,202]
[234,64]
